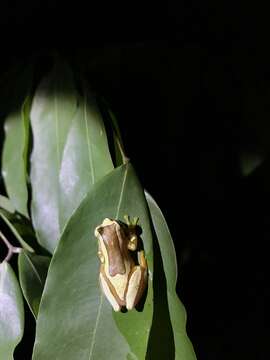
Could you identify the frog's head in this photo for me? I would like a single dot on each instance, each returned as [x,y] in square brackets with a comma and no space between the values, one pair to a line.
[133,232]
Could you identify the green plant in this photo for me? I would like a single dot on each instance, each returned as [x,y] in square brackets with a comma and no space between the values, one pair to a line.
[62,178]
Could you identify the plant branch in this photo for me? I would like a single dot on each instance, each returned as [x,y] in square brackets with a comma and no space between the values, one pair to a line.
[120,146]
[11,249]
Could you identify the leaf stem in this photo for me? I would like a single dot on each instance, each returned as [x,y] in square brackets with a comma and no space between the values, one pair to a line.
[124,157]
[11,249]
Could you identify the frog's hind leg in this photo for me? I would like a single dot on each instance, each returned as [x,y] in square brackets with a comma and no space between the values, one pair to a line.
[137,282]
[107,292]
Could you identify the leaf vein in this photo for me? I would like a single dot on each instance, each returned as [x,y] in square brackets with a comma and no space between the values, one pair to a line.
[101,295]
[33,267]
[96,326]
[121,193]
[56,129]
[90,157]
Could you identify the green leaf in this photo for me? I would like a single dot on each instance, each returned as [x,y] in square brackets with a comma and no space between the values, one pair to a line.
[118,142]
[14,163]
[183,346]
[74,317]
[32,275]
[70,153]
[23,231]
[11,312]
[6,204]
[86,157]
[118,146]
[53,109]
[14,156]
[5,216]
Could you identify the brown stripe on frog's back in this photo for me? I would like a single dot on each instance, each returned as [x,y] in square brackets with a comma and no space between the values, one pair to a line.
[112,244]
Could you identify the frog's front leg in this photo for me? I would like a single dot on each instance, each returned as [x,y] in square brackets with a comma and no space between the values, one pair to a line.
[132,232]
[137,282]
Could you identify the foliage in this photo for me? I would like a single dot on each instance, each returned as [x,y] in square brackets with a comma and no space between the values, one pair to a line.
[62,177]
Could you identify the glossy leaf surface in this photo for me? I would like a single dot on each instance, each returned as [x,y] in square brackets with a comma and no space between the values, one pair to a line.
[183,346]
[86,157]
[11,312]
[32,275]
[75,318]
[70,153]
[53,108]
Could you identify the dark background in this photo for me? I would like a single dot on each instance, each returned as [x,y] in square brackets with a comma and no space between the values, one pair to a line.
[191,89]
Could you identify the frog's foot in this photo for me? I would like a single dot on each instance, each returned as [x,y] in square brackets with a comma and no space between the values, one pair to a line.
[131,223]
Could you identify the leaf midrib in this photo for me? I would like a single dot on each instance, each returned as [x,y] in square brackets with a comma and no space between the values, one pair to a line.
[33,267]
[101,295]
[56,129]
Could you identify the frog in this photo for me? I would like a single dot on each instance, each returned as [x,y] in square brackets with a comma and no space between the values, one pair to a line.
[122,276]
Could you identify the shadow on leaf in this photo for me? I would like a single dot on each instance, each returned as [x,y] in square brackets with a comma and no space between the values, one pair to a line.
[161,341]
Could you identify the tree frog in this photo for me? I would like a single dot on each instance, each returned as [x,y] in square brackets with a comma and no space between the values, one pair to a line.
[121,279]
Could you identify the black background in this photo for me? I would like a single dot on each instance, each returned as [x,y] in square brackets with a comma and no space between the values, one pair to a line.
[190,86]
